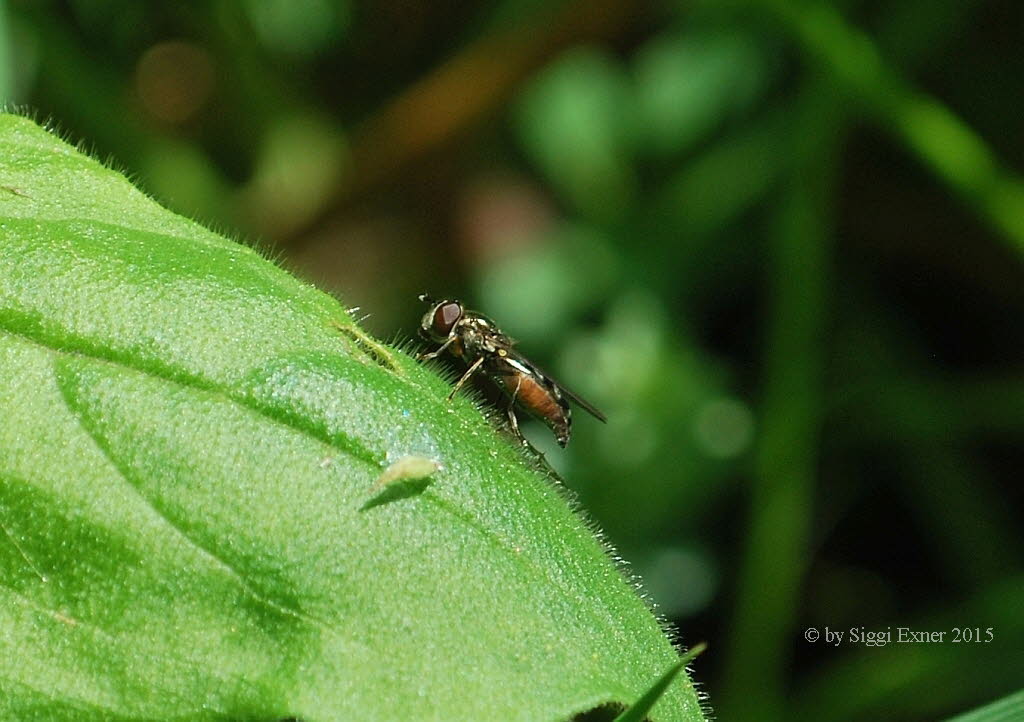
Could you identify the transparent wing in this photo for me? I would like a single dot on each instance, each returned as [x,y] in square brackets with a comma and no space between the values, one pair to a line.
[567,392]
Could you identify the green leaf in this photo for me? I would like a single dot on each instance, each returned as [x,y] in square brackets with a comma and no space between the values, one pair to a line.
[1007,709]
[639,710]
[190,438]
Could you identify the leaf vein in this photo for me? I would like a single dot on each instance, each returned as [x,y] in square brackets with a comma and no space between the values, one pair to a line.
[342,443]
[218,560]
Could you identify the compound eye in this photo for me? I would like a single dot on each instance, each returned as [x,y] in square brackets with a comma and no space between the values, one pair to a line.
[446,315]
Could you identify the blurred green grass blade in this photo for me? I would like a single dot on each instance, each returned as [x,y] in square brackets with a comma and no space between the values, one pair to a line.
[775,555]
[6,57]
[639,710]
[726,180]
[1007,709]
[950,147]
[886,397]
[923,681]
[190,436]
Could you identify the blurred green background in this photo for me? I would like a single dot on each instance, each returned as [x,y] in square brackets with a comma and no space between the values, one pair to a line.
[778,243]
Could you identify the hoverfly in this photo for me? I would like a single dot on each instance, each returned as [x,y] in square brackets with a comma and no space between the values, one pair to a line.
[479,343]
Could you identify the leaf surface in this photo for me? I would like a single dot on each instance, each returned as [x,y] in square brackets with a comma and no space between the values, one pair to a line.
[189,437]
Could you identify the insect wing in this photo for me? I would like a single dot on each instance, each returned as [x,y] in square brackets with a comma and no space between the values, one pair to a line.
[581,402]
[518,358]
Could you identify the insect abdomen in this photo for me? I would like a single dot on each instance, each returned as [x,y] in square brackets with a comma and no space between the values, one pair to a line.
[542,402]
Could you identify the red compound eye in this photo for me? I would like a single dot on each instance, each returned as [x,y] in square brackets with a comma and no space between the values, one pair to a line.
[446,315]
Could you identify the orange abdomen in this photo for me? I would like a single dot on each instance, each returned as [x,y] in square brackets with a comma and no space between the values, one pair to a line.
[538,400]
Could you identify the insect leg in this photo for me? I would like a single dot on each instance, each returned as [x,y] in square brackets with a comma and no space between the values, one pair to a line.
[469,372]
[512,420]
[435,354]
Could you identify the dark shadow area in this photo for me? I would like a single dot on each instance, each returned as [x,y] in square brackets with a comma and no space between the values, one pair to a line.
[398,490]
[605,713]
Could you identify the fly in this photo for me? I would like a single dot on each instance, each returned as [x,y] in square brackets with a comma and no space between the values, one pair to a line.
[475,339]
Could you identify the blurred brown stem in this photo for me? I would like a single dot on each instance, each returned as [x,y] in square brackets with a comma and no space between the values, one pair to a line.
[465,90]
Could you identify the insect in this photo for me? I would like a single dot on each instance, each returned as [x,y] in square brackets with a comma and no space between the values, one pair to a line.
[476,340]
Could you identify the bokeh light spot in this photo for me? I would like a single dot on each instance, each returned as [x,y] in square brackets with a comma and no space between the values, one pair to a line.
[174,80]
[297,26]
[682,580]
[724,427]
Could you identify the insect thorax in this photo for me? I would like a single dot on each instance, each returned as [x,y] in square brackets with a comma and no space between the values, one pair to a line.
[477,337]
